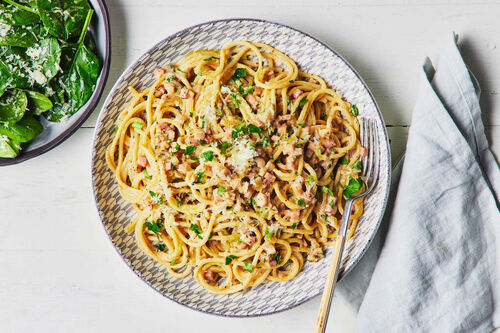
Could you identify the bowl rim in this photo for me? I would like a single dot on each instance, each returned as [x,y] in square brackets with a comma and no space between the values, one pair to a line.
[120,80]
[91,103]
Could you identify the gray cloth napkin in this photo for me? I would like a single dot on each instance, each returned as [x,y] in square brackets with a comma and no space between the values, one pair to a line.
[438,248]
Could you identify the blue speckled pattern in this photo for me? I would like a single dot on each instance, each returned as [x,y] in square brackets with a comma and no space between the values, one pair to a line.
[312,56]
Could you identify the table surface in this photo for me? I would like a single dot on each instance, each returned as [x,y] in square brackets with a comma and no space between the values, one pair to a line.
[60,273]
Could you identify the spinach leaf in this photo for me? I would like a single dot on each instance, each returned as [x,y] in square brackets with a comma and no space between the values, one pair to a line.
[8,149]
[63,18]
[24,130]
[45,57]
[37,102]
[37,64]
[5,77]
[23,36]
[13,104]
[76,84]
[15,16]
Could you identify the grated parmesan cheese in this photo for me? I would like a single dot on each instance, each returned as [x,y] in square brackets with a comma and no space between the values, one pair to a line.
[242,154]
[4,29]
[38,76]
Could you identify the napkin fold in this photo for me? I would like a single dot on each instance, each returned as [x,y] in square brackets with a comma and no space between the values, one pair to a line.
[438,248]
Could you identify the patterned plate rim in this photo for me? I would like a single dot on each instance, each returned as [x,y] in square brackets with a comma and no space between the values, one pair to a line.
[155,47]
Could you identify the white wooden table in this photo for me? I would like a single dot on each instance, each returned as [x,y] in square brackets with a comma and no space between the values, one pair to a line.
[59,272]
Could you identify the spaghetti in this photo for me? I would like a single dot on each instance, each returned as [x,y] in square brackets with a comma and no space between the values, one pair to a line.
[238,165]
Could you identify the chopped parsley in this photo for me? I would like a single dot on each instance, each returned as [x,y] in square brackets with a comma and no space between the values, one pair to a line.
[324,217]
[265,141]
[291,81]
[179,202]
[344,161]
[160,246]
[301,203]
[240,73]
[239,131]
[354,110]
[189,150]
[352,187]
[210,58]
[178,70]
[146,174]
[248,266]
[302,125]
[230,258]
[223,147]
[199,176]
[194,227]
[156,198]
[325,189]
[302,102]
[268,233]
[294,225]
[221,190]
[254,129]
[332,203]
[137,125]
[357,165]
[155,226]
[208,155]
[172,262]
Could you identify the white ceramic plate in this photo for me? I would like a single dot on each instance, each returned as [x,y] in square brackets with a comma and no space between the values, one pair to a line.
[312,56]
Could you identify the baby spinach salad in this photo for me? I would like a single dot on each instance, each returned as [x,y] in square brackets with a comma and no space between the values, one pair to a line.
[48,66]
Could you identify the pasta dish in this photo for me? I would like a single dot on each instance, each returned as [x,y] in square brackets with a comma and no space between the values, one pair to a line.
[238,165]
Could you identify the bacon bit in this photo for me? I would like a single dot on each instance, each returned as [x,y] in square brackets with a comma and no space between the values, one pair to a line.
[158,72]
[252,100]
[329,143]
[186,93]
[210,276]
[269,178]
[196,138]
[184,167]
[363,152]
[249,237]
[291,150]
[306,130]
[213,242]
[261,199]
[160,91]
[218,197]
[275,138]
[246,191]
[258,91]
[290,162]
[293,214]
[167,130]
[142,161]
[315,252]
[270,249]
[168,165]
[170,87]
[297,93]
[282,129]
[260,162]
[175,161]
[284,117]
[311,147]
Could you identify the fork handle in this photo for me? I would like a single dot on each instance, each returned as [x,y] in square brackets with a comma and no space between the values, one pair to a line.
[331,280]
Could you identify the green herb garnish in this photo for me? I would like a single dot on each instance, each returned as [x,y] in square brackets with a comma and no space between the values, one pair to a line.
[352,187]
[207,155]
[156,198]
[194,227]
[248,266]
[189,150]
[354,110]
[240,73]
[230,258]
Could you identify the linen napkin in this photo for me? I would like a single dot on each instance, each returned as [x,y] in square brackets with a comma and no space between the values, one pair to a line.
[438,248]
